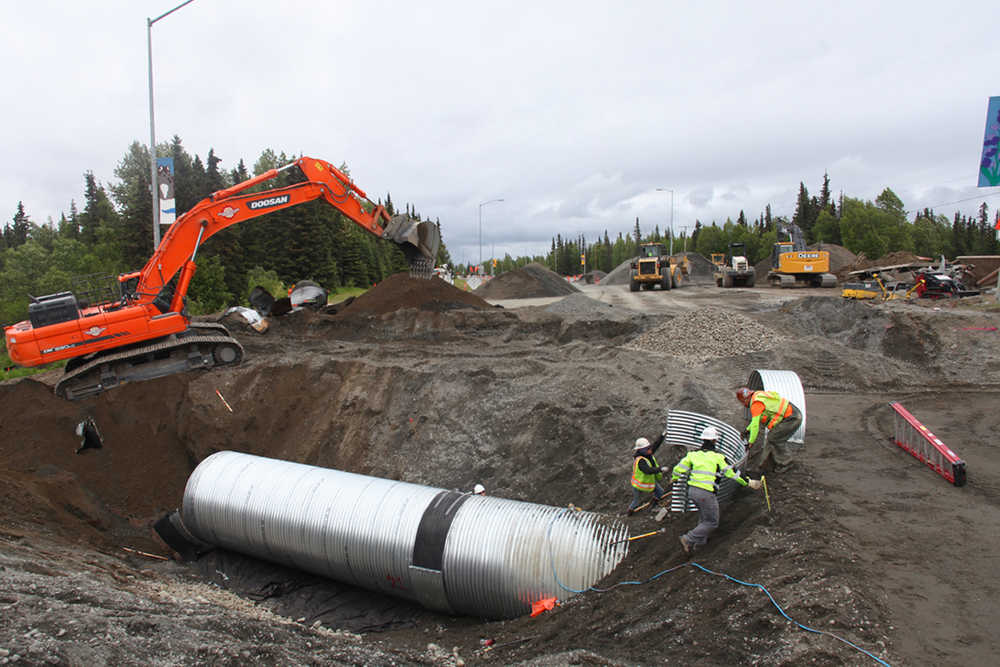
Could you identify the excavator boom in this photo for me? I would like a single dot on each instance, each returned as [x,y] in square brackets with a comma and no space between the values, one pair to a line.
[146,332]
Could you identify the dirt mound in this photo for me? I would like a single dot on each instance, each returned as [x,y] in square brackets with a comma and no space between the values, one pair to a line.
[531,281]
[839,255]
[620,275]
[401,291]
[700,269]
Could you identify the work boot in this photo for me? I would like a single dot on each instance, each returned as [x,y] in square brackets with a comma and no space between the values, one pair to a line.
[687,545]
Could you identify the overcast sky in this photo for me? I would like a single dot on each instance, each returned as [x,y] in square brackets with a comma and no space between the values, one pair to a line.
[573,112]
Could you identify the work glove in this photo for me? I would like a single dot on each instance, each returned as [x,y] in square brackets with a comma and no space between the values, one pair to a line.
[754,484]
[664,468]
[745,435]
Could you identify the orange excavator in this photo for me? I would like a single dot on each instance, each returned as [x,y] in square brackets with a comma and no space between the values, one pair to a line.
[138,327]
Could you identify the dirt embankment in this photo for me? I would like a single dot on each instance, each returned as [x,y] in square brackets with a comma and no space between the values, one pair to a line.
[413,382]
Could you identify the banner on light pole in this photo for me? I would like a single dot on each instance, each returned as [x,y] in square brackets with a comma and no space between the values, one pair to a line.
[165,190]
[989,162]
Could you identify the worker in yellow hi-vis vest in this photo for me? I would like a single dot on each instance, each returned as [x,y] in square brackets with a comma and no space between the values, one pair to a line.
[704,467]
[771,410]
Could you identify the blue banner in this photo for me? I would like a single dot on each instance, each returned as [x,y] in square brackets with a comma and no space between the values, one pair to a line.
[165,190]
[989,164]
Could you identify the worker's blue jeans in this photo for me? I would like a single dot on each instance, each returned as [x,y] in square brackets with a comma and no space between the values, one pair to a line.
[708,515]
[640,498]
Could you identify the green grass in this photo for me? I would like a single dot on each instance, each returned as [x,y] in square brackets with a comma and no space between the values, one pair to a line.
[344,293]
[8,371]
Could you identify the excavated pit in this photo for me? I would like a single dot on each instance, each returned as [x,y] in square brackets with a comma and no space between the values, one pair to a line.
[537,405]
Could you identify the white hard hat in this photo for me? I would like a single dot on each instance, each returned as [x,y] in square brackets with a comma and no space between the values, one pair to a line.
[710,433]
[479,489]
[640,443]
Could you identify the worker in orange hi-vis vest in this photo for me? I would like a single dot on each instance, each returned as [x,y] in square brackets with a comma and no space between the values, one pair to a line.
[771,410]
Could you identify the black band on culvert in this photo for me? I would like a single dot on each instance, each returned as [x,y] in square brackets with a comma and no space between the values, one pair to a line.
[428,549]
[457,553]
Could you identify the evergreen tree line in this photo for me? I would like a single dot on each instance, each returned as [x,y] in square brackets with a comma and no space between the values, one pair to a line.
[872,228]
[112,234]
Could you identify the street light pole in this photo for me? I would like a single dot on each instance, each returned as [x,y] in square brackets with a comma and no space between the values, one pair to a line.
[671,216]
[481,205]
[684,229]
[152,127]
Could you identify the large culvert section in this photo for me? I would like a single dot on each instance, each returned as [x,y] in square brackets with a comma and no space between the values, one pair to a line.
[789,385]
[447,550]
[684,430]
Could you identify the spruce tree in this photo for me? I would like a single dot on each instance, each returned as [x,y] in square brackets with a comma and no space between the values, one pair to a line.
[18,228]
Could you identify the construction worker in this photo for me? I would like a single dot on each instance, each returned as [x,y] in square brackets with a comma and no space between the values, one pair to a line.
[646,474]
[771,410]
[479,490]
[703,466]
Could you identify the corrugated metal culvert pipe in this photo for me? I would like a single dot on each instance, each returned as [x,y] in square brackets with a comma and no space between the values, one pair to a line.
[450,551]
[789,385]
[684,429]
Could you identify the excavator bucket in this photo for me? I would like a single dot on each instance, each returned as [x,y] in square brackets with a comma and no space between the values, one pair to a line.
[419,240]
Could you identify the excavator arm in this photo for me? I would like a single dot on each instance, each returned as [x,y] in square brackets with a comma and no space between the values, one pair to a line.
[177,250]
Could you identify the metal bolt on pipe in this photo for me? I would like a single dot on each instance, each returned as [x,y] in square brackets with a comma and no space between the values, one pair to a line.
[447,550]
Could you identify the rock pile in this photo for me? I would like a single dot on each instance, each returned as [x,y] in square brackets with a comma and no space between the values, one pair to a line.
[707,333]
[579,306]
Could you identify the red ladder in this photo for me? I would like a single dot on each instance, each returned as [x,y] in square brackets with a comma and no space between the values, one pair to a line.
[917,439]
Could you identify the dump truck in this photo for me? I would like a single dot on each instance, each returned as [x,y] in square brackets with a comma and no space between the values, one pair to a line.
[654,266]
[735,270]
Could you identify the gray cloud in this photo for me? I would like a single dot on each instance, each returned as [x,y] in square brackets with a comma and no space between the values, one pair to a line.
[573,112]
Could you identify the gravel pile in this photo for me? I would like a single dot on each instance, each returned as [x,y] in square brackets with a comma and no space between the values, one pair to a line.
[707,333]
[579,306]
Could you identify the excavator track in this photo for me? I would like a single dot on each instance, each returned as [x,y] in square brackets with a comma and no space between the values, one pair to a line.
[203,345]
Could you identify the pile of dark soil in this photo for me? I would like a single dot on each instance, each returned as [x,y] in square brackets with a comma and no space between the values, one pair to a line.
[401,291]
[531,281]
